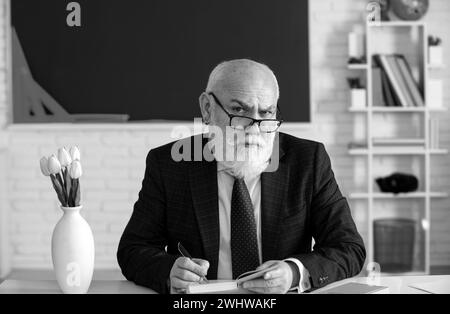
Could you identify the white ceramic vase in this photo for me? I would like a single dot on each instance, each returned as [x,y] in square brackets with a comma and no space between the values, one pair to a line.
[73,252]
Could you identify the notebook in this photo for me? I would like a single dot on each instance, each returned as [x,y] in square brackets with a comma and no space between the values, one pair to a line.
[217,286]
[356,288]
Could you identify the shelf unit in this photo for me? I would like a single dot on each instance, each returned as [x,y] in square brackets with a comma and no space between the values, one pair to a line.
[415,195]
[371,153]
[397,109]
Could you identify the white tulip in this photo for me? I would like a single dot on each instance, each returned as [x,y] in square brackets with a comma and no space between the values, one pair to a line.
[64,157]
[75,171]
[75,153]
[44,166]
[54,166]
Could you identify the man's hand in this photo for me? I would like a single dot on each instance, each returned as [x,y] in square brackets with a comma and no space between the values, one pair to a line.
[186,272]
[277,281]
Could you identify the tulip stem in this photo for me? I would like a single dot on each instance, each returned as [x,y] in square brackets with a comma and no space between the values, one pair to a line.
[68,187]
[78,193]
[58,189]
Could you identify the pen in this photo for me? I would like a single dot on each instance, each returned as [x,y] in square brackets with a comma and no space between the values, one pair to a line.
[185,253]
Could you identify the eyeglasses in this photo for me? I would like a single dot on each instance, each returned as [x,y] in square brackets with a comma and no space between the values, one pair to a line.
[242,122]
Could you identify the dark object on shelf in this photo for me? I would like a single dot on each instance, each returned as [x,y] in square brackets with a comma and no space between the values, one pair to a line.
[385,5]
[354,82]
[354,60]
[410,10]
[394,244]
[434,41]
[398,183]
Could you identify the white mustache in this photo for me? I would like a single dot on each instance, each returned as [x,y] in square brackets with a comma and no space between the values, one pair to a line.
[250,140]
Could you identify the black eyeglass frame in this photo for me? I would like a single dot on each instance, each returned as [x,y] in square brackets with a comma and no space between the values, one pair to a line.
[258,121]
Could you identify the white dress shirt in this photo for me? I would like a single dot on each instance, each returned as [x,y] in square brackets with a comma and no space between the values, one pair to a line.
[225,188]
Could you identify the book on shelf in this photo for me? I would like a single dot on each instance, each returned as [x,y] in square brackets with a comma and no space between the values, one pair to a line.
[399,148]
[389,148]
[392,63]
[382,60]
[377,88]
[390,98]
[413,87]
[234,286]
[398,142]
[399,88]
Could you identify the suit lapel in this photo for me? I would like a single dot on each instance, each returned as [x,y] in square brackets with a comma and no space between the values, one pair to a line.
[273,196]
[203,183]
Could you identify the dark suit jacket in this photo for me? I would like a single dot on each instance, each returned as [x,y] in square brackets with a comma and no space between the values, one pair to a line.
[300,201]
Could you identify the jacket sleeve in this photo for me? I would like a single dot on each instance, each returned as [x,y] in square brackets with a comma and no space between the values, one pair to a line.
[339,250]
[141,254]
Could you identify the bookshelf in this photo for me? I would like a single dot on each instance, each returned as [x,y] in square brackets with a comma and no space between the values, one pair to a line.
[409,39]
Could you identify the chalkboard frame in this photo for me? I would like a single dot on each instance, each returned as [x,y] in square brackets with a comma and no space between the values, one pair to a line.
[156,123]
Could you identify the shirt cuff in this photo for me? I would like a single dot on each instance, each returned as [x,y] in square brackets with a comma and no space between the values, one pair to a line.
[304,283]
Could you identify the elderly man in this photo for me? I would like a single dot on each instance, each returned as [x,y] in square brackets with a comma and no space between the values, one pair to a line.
[259,209]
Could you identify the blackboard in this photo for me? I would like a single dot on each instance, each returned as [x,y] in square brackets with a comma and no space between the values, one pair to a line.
[151,59]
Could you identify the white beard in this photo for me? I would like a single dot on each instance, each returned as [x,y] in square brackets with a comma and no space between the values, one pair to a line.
[243,161]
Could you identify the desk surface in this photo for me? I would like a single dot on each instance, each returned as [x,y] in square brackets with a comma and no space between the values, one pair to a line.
[13,286]
[397,285]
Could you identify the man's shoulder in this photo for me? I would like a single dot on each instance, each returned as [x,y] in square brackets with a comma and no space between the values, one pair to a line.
[166,151]
[295,145]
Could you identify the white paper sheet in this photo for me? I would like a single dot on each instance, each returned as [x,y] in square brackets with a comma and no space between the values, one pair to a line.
[438,287]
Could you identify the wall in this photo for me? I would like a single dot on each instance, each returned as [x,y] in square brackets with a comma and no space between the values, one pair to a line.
[114,158]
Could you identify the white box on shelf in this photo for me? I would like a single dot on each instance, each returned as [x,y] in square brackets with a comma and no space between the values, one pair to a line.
[434,133]
[356,45]
[359,98]
[435,94]
[435,55]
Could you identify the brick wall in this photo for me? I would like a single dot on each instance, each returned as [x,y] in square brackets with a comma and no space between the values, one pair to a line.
[114,158]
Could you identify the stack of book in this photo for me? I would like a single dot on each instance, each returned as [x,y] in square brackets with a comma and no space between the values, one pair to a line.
[398,144]
[394,84]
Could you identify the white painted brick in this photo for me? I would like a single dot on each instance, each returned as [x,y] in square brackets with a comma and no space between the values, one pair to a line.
[103,195]
[117,228]
[127,140]
[123,185]
[25,204]
[104,173]
[118,206]
[88,183]
[107,238]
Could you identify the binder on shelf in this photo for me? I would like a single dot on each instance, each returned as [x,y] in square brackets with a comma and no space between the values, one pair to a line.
[398,77]
[377,88]
[382,60]
[391,98]
[410,82]
[386,142]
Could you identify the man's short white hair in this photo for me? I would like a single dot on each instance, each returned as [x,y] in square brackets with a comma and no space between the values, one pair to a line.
[217,73]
